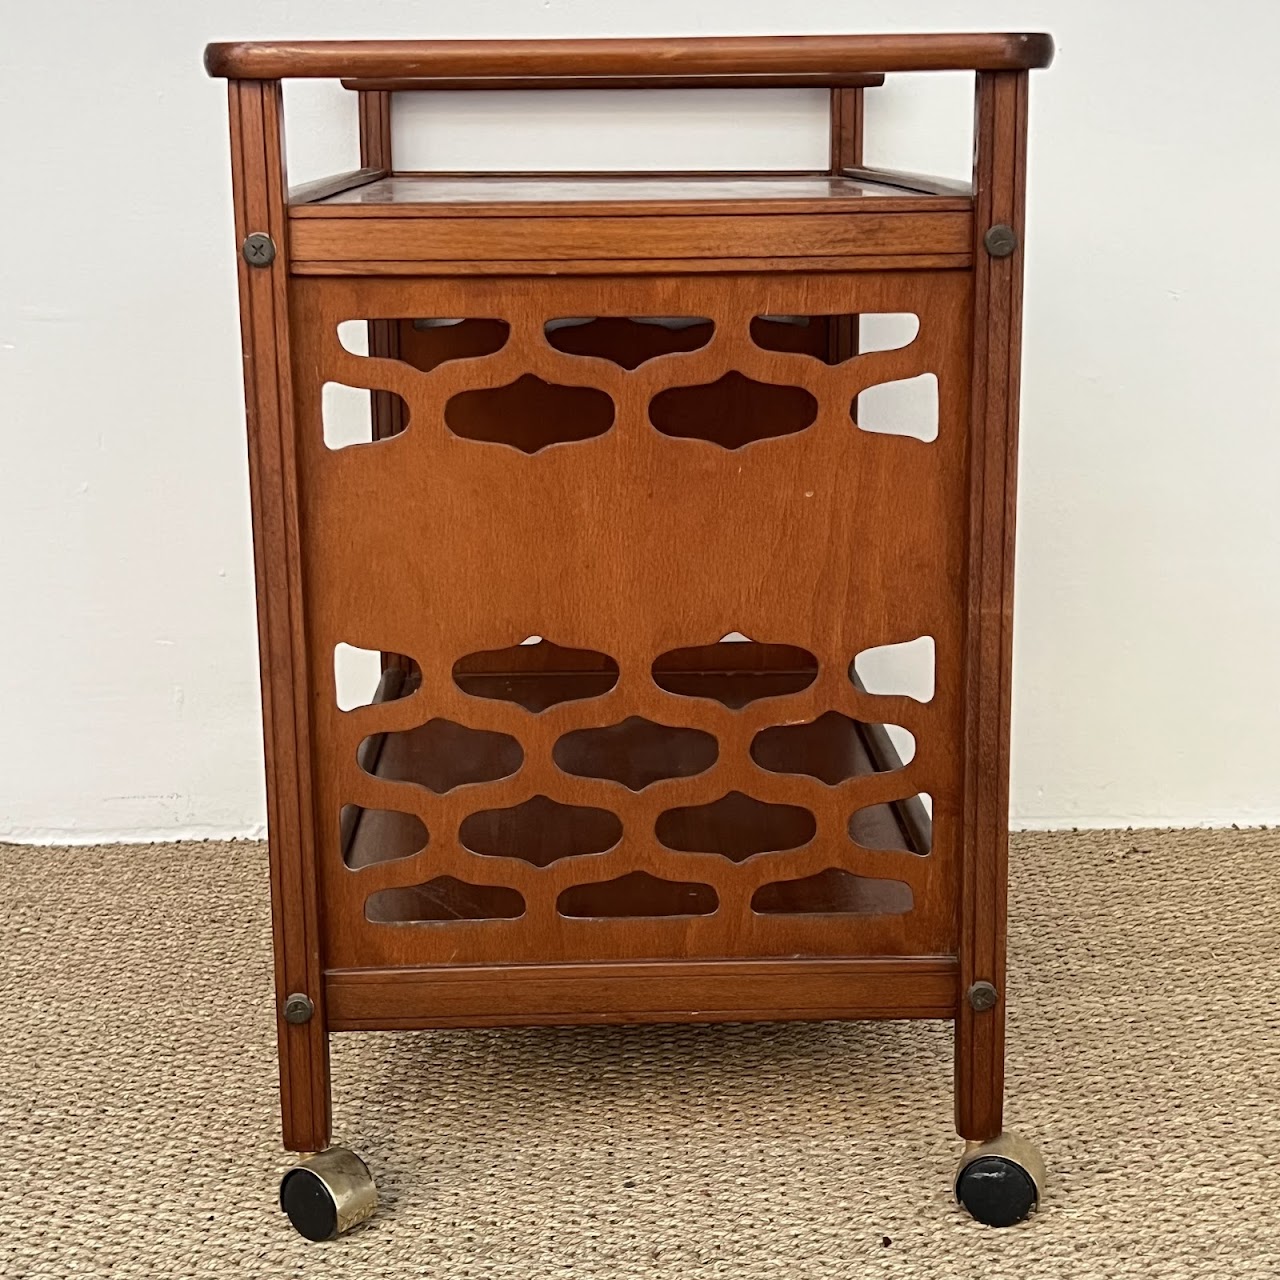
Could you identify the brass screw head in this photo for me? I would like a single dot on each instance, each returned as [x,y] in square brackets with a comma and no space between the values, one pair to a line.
[1000,240]
[298,1008]
[983,996]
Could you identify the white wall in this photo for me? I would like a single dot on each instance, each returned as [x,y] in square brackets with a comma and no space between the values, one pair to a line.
[1148,633]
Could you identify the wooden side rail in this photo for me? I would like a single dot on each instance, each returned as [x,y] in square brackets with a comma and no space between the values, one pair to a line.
[785,60]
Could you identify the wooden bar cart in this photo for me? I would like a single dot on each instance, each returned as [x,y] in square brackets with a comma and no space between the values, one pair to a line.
[694,648]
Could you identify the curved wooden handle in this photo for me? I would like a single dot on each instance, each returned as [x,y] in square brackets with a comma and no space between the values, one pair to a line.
[810,60]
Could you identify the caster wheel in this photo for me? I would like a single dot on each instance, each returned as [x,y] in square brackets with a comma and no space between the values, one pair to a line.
[328,1193]
[1000,1182]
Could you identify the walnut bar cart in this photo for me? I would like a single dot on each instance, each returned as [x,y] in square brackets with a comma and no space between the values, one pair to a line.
[677,539]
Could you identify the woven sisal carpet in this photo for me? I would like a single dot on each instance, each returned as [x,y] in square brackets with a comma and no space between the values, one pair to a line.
[137,1106]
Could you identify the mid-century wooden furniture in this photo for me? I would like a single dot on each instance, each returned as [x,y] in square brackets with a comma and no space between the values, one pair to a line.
[622,528]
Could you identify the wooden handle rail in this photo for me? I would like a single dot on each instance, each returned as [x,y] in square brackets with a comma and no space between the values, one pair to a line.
[820,60]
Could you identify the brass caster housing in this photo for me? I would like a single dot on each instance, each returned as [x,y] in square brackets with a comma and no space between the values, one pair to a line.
[328,1193]
[1000,1182]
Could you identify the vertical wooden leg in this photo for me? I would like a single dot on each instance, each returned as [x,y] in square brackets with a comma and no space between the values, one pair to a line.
[1000,154]
[257,147]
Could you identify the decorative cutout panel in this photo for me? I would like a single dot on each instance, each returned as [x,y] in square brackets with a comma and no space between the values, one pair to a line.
[660,704]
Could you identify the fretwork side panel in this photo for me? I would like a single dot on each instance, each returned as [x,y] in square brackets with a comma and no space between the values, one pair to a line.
[593,482]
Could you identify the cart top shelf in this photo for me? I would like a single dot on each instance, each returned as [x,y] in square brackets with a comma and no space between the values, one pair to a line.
[821,59]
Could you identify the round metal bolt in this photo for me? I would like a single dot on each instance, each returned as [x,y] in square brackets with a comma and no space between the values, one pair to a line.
[298,1008]
[983,996]
[1000,240]
[259,250]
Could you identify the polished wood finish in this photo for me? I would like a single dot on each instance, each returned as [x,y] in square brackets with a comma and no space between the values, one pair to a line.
[423,484]
[999,185]
[620,412]
[846,129]
[259,192]
[320,241]
[374,107]
[708,991]
[812,58]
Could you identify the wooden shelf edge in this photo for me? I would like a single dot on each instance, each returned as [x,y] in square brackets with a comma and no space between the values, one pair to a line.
[648,991]
[813,57]
[334,185]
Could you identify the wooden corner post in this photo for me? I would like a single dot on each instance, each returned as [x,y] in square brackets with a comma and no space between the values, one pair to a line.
[1000,134]
[260,195]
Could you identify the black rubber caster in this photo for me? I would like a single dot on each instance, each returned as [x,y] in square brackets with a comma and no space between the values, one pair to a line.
[328,1193]
[1000,1182]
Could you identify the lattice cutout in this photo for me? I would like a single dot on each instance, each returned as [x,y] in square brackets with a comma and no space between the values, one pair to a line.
[736,826]
[904,824]
[833,748]
[901,407]
[536,675]
[633,550]
[347,415]
[530,414]
[834,338]
[443,900]
[541,831]
[638,895]
[733,411]
[628,341]
[370,836]
[735,673]
[905,669]
[834,891]
[441,755]
[427,342]
[637,753]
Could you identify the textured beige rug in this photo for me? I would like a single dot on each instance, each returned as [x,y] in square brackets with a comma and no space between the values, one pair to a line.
[137,1106]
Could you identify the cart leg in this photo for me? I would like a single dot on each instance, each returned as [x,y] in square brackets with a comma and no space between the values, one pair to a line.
[1001,1177]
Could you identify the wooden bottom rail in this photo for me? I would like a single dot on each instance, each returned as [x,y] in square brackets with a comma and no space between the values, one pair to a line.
[693,991]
